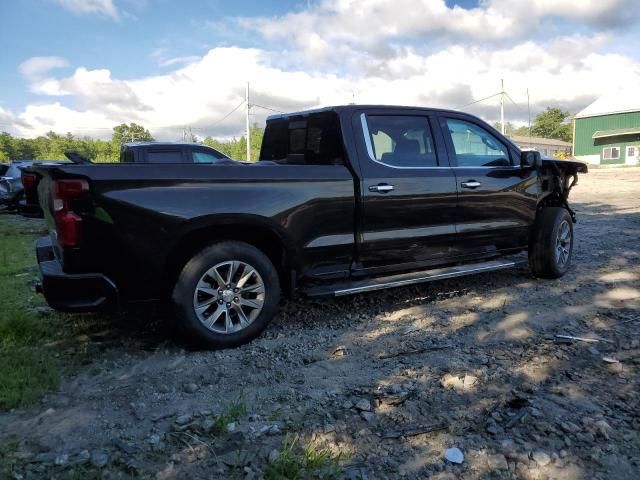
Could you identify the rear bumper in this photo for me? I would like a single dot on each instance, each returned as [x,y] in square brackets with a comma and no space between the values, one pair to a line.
[82,292]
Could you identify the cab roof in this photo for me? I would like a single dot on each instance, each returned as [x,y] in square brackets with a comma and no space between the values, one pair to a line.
[353,107]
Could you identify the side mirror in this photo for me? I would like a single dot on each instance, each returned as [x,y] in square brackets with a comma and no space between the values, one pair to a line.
[530,158]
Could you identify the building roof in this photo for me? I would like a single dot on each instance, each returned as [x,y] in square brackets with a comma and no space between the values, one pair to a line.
[519,139]
[623,100]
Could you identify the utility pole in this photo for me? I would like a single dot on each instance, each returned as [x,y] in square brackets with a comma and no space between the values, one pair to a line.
[248,131]
[502,105]
[529,114]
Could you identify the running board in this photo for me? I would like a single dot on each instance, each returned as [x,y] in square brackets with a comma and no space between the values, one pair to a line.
[379,283]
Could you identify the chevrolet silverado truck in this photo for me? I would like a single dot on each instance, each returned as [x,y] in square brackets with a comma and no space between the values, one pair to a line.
[343,200]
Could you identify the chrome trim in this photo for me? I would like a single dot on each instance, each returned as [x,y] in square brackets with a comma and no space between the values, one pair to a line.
[381,188]
[367,138]
[331,240]
[453,272]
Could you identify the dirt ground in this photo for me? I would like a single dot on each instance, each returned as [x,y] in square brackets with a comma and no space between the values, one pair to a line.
[387,380]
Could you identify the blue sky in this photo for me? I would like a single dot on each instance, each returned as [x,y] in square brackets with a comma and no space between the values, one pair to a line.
[85,65]
[43,28]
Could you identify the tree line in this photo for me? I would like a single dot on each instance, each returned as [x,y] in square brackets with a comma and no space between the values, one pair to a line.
[552,123]
[52,146]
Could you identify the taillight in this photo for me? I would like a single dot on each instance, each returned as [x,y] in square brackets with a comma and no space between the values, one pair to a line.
[29,181]
[68,223]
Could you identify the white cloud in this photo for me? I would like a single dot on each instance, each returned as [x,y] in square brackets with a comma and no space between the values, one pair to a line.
[198,95]
[410,52]
[162,57]
[82,7]
[365,24]
[37,66]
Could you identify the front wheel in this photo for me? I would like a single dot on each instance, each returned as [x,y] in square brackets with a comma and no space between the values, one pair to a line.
[226,294]
[551,243]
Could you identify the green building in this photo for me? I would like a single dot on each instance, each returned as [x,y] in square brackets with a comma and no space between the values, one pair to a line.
[608,130]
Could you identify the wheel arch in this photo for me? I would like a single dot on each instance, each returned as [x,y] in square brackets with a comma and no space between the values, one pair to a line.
[254,230]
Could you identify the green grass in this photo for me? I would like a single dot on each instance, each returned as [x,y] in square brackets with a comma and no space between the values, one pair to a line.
[296,462]
[31,359]
[230,414]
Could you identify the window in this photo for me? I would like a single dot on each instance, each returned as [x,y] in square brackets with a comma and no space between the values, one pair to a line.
[312,140]
[631,151]
[610,153]
[198,156]
[127,156]
[400,140]
[475,147]
[164,156]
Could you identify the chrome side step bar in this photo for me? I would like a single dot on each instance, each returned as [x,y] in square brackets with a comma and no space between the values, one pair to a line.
[379,283]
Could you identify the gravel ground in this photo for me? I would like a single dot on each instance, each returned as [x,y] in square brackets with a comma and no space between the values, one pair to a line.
[388,380]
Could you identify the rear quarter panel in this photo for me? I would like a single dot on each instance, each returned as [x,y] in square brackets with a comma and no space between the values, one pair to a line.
[139,214]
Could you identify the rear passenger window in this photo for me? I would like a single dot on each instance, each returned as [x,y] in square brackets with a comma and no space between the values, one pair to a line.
[475,147]
[198,156]
[312,140]
[400,140]
[164,156]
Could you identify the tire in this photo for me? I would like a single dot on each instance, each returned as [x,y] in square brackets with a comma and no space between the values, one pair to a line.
[218,308]
[551,244]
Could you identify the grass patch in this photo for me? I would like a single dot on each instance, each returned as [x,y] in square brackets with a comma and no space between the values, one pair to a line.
[296,462]
[230,414]
[31,360]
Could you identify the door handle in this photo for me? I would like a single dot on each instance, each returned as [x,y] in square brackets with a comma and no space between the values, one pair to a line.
[470,184]
[381,188]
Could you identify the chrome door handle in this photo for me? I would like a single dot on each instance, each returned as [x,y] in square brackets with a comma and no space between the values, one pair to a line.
[382,188]
[470,184]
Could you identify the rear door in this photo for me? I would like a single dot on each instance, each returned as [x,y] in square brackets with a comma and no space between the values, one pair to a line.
[408,191]
[496,197]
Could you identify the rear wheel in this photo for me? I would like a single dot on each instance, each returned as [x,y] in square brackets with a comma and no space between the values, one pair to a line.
[226,294]
[552,243]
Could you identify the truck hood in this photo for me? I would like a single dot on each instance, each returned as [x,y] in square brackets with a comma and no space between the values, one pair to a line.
[578,165]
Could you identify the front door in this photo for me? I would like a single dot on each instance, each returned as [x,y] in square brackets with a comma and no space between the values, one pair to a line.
[496,197]
[408,192]
[633,155]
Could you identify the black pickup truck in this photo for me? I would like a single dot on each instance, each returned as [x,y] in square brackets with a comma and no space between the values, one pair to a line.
[343,200]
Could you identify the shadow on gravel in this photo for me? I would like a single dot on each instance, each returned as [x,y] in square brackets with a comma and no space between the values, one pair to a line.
[390,379]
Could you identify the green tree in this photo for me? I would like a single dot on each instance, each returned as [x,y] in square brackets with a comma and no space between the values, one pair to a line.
[236,148]
[509,128]
[552,124]
[133,132]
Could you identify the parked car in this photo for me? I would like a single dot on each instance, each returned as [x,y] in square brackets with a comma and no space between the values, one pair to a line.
[136,152]
[170,152]
[11,187]
[343,200]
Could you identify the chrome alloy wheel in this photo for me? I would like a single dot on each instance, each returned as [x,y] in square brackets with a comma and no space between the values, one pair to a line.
[563,243]
[229,297]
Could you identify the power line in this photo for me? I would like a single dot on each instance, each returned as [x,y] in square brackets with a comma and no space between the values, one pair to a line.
[266,108]
[227,115]
[481,100]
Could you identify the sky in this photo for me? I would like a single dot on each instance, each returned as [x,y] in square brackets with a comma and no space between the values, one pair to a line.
[84,66]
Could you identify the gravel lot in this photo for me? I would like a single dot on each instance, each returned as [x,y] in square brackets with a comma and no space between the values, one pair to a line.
[386,380]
